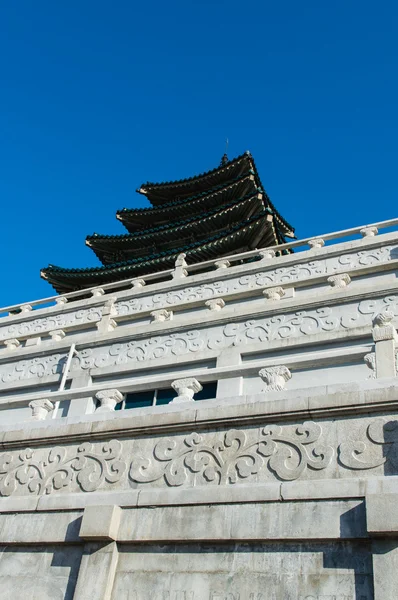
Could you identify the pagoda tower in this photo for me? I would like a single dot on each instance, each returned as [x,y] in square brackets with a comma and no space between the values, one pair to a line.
[218,213]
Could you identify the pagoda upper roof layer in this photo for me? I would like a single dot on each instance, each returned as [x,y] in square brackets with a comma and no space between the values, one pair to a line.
[224,211]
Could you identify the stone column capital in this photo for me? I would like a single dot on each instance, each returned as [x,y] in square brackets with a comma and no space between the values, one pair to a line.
[108,400]
[40,409]
[185,388]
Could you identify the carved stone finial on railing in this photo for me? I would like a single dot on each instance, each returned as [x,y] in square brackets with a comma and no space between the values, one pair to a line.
[369,232]
[222,264]
[12,344]
[57,335]
[267,254]
[179,267]
[186,389]
[339,281]
[95,292]
[316,243]
[61,300]
[158,316]
[137,283]
[108,400]
[275,377]
[40,409]
[383,328]
[26,308]
[109,306]
[275,293]
[215,304]
[370,361]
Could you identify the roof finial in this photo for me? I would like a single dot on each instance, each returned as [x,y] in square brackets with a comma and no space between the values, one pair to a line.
[224,159]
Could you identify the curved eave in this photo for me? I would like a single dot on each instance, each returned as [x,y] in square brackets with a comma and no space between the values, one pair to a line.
[158,193]
[141,218]
[107,247]
[255,232]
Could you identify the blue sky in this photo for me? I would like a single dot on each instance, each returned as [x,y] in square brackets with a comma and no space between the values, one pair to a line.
[99,97]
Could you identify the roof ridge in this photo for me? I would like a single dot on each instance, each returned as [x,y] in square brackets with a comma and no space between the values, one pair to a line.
[170,183]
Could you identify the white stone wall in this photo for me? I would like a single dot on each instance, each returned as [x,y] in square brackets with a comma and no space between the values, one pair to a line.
[284,486]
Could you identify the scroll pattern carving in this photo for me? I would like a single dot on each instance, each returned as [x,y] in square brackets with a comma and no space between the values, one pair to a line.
[85,469]
[50,323]
[256,280]
[360,455]
[267,329]
[234,457]
[37,367]
[235,334]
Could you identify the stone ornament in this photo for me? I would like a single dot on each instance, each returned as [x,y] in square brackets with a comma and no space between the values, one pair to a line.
[275,293]
[96,292]
[85,468]
[316,243]
[275,377]
[108,400]
[215,304]
[368,232]
[222,264]
[138,283]
[267,254]
[186,389]
[109,307]
[57,335]
[179,267]
[26,308]
[40,409]
[339,281]
[12,344]
[158,316]
[370,361]
[61,300]
[233,457]
[383,327]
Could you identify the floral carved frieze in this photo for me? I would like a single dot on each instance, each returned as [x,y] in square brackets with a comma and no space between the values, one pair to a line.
[327,266]
[84,469]
[311,450]
[210,338]
[265,329]
[234,456]
[50,323]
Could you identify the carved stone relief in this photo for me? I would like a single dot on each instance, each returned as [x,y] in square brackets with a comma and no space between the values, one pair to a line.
[50,323]
[256,280]
[83,469]
[264,329]
[257,454]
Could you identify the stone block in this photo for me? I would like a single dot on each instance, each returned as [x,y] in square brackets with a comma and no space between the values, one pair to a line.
[100,522]
[382,514]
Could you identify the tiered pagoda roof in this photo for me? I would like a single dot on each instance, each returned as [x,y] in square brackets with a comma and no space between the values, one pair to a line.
[218,213]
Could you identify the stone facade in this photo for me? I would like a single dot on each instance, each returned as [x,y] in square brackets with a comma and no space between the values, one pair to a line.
[284,486]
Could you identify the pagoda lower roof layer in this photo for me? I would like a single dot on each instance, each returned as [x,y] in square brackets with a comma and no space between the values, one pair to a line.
[254,232]
[110,249]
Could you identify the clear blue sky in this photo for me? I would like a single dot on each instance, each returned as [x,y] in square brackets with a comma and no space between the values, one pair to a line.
[99,97]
